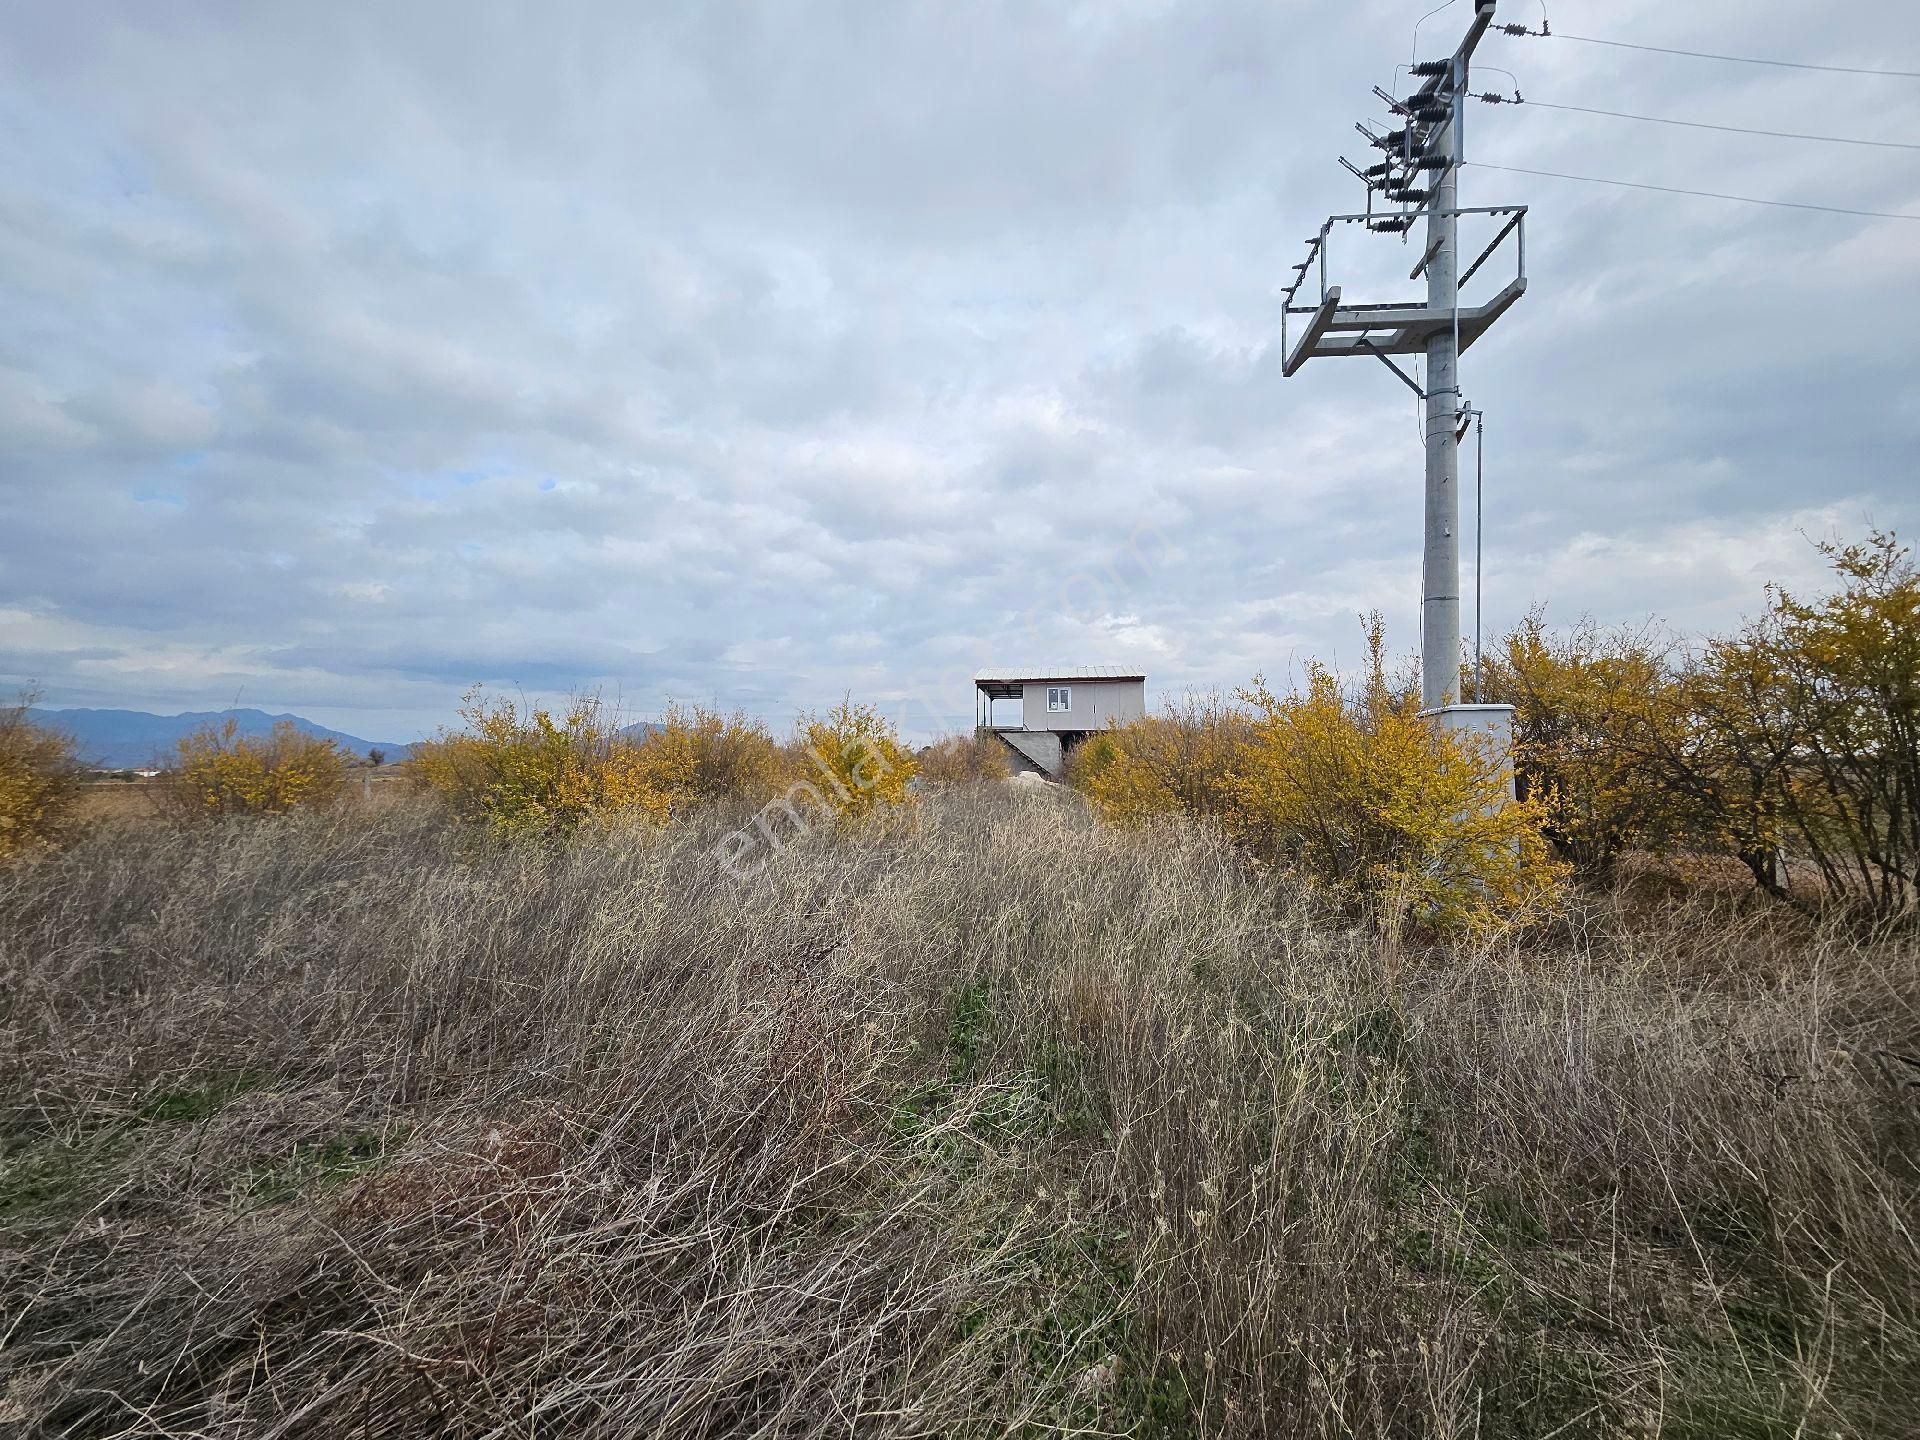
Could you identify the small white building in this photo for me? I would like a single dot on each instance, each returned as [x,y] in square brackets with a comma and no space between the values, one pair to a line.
[1058,708]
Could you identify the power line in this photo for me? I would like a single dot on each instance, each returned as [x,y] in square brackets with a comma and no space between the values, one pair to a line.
[1709,55]
[1705,194]
[1704,125]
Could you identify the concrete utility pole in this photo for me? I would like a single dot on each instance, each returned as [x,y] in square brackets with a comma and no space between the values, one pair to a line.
[1440,561]
[1419,174]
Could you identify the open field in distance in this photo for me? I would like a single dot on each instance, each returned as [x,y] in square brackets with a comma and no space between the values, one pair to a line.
[141,799]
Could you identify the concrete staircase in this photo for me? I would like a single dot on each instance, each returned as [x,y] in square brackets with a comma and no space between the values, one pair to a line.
[1034,751]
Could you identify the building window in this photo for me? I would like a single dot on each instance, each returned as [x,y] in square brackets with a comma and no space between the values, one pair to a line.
[1059,697]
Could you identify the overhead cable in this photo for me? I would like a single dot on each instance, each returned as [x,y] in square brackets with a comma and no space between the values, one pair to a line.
[1516,99]
[1546,34]
[1705,194]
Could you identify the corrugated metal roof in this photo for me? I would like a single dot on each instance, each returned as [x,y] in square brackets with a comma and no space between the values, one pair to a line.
[1016,675]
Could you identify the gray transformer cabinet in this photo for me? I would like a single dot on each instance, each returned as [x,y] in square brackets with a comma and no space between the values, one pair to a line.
[1058,708]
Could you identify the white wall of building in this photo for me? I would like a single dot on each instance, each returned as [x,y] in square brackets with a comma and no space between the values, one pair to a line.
[1095,704]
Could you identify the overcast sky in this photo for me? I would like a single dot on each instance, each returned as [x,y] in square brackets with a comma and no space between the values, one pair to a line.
[352,354]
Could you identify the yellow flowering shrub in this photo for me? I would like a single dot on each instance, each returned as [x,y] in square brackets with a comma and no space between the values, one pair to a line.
[1370,803]
[1380,808]
[853,755]
[705,755]
[40,783]
[1588,706]
[520,772]
[1182,760]
[218,771]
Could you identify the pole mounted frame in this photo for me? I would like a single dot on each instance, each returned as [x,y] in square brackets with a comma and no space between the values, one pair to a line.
[1399,327]
[1428,148]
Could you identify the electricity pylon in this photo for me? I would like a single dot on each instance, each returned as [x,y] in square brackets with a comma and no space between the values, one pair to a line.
[1419,175]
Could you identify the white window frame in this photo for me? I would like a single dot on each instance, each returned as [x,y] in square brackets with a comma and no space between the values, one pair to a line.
[1059,699]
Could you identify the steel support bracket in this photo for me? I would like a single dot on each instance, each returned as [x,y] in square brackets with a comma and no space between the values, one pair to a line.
[1382,357]
[1425,260]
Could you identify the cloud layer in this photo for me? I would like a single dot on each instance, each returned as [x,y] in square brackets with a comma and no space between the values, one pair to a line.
[756,353]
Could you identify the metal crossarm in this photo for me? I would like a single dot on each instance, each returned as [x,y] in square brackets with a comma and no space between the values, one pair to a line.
[1396,327]
[1310,337]
[1393,330]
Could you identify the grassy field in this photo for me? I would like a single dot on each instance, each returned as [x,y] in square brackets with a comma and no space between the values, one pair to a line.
[142,799]
[981,1121]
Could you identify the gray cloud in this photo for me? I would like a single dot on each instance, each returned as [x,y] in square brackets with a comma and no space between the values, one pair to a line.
[755,353]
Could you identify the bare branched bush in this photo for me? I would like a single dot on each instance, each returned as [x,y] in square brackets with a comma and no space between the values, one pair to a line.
[1791,745]
[991,1120]
[971,759]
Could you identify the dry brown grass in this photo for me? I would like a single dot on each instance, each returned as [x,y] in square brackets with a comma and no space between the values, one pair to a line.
[122,801]
[983,1120]
[118,800]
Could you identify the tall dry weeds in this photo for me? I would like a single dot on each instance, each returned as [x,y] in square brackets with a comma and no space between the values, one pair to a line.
[982,1120]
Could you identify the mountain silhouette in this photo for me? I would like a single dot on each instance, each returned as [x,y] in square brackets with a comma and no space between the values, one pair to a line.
[123,739]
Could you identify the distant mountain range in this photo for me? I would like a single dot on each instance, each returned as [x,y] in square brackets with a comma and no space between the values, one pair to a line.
[125,739]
